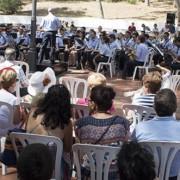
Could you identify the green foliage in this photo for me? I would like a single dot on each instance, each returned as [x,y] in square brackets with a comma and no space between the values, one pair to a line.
[10,6]
[132,1]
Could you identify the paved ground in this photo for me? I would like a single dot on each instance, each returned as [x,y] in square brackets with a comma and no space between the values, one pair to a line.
[120,87]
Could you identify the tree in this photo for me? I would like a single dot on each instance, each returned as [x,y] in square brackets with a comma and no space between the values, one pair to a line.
[100,8]
[147,2]
[10,6]
[178,14]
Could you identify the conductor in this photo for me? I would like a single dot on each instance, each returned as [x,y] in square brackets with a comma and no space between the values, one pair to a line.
[49,25]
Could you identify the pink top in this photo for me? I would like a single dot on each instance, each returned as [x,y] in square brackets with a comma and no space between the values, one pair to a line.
[84,101]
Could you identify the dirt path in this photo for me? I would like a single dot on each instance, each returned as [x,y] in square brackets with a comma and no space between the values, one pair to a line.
[121,10]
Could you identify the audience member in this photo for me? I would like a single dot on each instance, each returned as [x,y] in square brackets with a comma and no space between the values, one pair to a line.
[8,79]
[151,85]
[163,127]
[135,163]
[102,127]
[52,117]
[40,82]
[35,163]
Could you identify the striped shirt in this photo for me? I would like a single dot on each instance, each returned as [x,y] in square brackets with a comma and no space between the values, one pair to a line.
[145,100]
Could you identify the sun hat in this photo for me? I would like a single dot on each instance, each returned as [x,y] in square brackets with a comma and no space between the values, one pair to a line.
[41,81]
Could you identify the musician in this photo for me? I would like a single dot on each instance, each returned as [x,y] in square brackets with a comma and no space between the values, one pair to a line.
[175,53]
[23,38]
[91,44]
[166,43]
[113,44]
[3,40]
[132,28]
[50,25]
[104,52]
[140,56]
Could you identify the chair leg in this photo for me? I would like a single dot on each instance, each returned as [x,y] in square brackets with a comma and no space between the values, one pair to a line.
[146,70]
[134,74]
[4,167]
[110,69]
[99,67]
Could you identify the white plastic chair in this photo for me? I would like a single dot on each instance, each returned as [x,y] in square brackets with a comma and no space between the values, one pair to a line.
[80,111]
[100,158]
[26,138]
[137,113]
[73,85]
[26,65]
[174,82]
[110,63]
[10,109]
[176,72]
[148,63]
[164,153]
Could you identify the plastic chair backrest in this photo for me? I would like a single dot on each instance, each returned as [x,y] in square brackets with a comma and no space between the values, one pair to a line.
[149,57]
[10,109]
[112,56]
[100,158]
[138,113]
[23,64]
[80,111]
[174,82]
[164,154]
[75,84]
[26,138]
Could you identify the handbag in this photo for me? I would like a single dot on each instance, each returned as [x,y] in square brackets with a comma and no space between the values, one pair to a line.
[8,156]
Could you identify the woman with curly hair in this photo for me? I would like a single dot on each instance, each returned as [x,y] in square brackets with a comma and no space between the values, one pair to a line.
[52,117]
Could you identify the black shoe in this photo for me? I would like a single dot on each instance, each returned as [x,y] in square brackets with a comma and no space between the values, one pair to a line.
[78,67]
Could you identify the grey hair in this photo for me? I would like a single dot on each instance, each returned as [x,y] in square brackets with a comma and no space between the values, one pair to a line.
[10,54]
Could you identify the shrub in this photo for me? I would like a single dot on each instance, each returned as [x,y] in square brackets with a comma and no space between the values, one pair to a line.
[10,6]
[132,1]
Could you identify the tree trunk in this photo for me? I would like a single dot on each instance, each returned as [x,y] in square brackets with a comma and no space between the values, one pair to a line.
[100,8]
[178,14]
[147,2]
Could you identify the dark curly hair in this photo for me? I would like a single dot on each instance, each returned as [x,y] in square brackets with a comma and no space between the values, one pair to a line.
[56,107]
[135,163]
[103,97]
[35,163]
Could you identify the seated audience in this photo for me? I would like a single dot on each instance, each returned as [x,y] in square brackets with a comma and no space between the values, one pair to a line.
[151,84]
[10,57]
[163,127]
[135,163]
[8,79]
[102,127]
[52,117]
[93,80]
[35,163]
[39,83]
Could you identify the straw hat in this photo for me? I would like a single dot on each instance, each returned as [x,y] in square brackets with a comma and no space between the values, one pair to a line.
[41,81]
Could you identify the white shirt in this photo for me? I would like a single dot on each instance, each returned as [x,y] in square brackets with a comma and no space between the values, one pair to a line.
[5,124]
[50,23]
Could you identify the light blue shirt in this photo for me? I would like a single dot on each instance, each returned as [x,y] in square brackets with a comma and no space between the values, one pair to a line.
[2,40]
[113,45]
[50,23]
[160,129]
[104,49]
[141,52]
[59,42]
[92,43]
